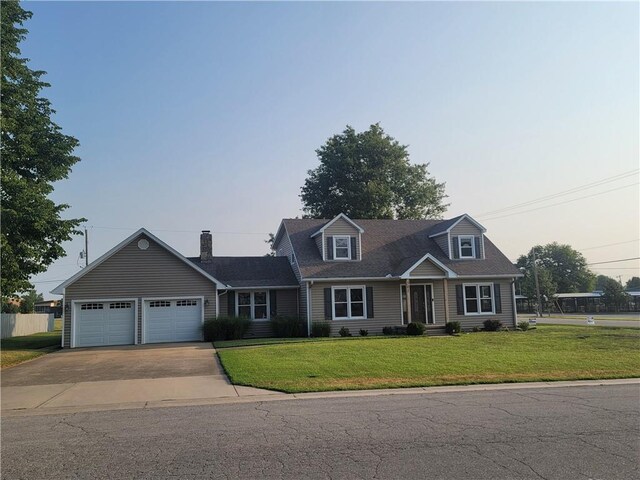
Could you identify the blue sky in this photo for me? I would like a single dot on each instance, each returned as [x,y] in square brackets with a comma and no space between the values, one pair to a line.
[207,115]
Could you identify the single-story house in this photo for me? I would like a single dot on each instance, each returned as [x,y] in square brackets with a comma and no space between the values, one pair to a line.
[360,274]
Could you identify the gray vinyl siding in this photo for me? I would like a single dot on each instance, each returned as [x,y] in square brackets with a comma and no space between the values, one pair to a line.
[386,307]
[287,302]
[342,227]
[469,321]
[427,268]
[318,239]
[285,249]
[465,227]
[443,243]
[135,273]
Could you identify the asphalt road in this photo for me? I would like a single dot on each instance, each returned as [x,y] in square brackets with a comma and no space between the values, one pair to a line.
[554,433]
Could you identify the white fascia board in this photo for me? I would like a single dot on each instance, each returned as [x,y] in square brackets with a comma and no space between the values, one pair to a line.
[503,275]
[264,287]
[346,279]
[450,273]
[59,290]
[281,228]
[462,217]
[331,222]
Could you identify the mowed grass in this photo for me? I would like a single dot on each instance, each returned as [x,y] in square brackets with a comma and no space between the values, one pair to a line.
[544,354]
[20,349]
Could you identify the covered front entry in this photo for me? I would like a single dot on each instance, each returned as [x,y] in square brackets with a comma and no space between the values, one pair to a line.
[103,323]
[421,303]
[172,320]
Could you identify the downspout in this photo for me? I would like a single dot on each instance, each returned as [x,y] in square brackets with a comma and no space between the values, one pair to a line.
[218,295]
[513,302]
[308,311]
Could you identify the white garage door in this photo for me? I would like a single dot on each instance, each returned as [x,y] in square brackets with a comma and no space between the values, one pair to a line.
[104,323]
[178,320]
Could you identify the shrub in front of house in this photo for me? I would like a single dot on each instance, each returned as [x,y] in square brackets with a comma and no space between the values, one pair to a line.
[320,329]
[387,330]
[225,328]
[288,327]
[492,325]
[415,328]
[344,332]
[363,332]
[452,327]
[524,326]
[476,329]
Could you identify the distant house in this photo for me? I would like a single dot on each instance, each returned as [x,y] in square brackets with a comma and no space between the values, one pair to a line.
[359,274]
[49,306]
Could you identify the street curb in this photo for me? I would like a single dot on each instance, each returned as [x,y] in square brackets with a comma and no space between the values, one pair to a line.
[272,397]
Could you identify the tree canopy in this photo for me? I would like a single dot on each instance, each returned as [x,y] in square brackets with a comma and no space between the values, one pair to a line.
[566,267]
[633,284]
[35,153]
[613,292]
[368,175]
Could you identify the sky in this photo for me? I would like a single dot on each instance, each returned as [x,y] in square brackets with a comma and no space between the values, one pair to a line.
[195,115]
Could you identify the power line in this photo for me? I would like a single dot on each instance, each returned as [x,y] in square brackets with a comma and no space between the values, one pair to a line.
[563,193]
[615,261]
[618,268]
[562,203]
[180,231]
[610,244]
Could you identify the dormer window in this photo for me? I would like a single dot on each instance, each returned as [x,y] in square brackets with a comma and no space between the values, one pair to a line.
[467,246]
[342,248]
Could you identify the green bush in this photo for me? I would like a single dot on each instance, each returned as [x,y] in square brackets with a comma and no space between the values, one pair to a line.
[387,330]
[288,327]
[363,332]
[344,332]
[476,329]
[320,329]
[492,325]
[415,328]
[225,328]
[524,326]
[452,327]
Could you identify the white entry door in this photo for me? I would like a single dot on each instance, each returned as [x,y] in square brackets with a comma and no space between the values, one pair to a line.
[175,320]
[104,323]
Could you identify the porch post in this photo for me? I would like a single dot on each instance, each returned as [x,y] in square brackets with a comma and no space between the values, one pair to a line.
[445,284]
[408,301]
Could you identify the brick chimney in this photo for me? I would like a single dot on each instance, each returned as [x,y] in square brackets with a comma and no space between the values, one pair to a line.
[206,246]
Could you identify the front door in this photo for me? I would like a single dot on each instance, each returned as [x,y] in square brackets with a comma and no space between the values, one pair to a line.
[421,303]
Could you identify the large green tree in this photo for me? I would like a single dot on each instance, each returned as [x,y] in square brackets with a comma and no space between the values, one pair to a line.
[613,293]
[35,153]
[566,267]
[633,284]
[368,175]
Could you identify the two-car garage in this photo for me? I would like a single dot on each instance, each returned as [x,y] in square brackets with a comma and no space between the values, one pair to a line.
[114,322]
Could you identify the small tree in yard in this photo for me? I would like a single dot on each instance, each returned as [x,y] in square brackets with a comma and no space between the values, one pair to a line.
[28,301]
[613,294]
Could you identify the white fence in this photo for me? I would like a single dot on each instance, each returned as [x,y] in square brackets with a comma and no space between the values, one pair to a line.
[18,324]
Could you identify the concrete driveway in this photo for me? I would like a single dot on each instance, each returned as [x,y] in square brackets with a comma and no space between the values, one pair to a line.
[93,377]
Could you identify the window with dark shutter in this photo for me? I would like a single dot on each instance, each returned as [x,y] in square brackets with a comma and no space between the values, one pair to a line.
[329,248]
[459,300]
[231,303]
[353,248]
[497,297]
[273,302]
[369,302]
[478,253]
[456,247]
[327,304]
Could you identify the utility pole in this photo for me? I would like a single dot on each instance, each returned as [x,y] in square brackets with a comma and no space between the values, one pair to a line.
[535,276]
[86,247]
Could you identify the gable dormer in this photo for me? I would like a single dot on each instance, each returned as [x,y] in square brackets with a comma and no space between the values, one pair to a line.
[461,238]
[340,240]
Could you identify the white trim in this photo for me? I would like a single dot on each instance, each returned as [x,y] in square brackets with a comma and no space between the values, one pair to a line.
[462,217]
[503,275]
[308,312]
[433,301]
[174,297]
[331,222]
[348,288]
[350,279]
[64,319]
[324,248]
[449,246]
[478,299]
[450,273]
[482,241]
[264,287]
[143,231]
[72,339]
[253,304]
[335,247]
[514,307]
[473,247]
[359,248]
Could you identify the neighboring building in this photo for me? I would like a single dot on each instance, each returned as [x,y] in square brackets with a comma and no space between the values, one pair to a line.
[362,274]
[49,306]
[593,302]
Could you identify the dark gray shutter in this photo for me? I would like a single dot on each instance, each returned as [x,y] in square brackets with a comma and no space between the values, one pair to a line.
[477,240]
[459,300]
[456,247]
[329,248]
[231,303]
[353,248]
[497,297]
[327,304]
[369,302]
[273,303]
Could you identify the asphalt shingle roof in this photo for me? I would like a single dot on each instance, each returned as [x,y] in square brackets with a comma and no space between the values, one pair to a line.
[249,271]
[389,247]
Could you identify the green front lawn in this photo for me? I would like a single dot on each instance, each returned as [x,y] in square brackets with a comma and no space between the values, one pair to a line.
[20,349]
[546,353]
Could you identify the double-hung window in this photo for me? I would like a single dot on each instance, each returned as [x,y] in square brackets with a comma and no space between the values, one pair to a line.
[341,248]
[478,299]
[253,305]
[348,303]
[467,246]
